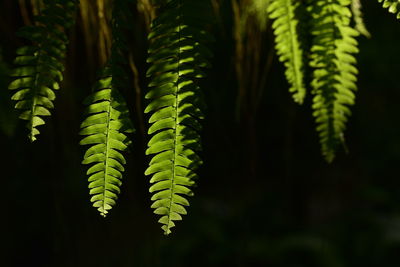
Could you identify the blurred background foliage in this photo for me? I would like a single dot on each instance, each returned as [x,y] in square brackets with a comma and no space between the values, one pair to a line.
[266,197]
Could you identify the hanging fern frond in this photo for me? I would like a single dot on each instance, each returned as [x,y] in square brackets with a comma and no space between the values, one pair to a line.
[40,66]
[177,54]
[393,6]
[356,9]
[108,122]
[105,128]
[335,74]
[288,47]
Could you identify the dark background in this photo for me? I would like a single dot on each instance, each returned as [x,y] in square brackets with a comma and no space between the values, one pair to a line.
[265,198]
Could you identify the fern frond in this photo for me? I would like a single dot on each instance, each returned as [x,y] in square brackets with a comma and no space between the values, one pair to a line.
[393,6]
[105,129]
[108,121]
[176,54]
[287,44]
[40,66]
[335,74]
[358,18]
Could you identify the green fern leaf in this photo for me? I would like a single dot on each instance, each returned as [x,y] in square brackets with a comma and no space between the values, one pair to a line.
[288,47]
[334,76]
[40,67]
[108,121]
[105,129]
[176,54]
[393,6]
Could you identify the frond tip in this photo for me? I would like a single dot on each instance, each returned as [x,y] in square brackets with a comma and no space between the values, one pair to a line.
[287,44]
[105,129]
[335,74]
[177,55]
[356,9]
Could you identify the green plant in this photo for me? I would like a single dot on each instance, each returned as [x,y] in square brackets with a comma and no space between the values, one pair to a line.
[177,54]
[334,73]
[40,65]
[107,124]
[178,58]
[288,47]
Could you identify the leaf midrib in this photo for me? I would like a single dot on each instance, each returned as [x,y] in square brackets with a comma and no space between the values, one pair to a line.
[175,130]
[106,164]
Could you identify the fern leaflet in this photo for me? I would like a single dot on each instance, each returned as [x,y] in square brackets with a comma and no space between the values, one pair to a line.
[393,6]
[285,24]
[334,76]
[177,55]
[40,67]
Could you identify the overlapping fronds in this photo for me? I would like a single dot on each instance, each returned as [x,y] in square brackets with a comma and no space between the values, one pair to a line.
[40,66]
[105,129]
[288,47]
[177,54]
[335,74]
[108,122]
[393,6]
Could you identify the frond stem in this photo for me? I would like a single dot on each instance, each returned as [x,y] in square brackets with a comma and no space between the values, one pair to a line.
[109,110]
[176,124]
